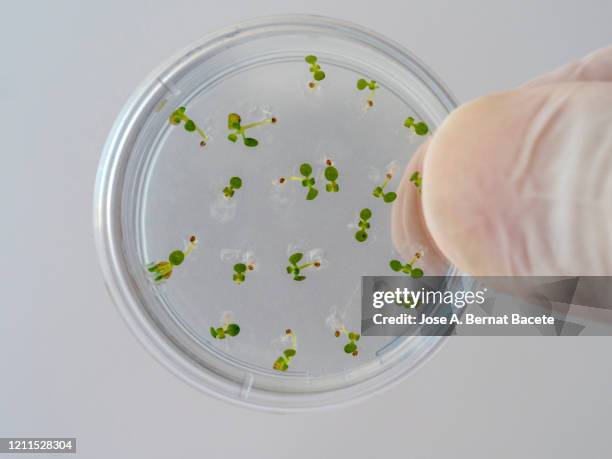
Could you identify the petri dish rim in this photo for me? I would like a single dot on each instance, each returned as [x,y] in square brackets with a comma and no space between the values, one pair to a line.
[109,231]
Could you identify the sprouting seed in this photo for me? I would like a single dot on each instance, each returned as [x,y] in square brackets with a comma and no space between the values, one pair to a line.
[296,269]
[162,270]
[307,181]
[351,346]
[362,84]
[230,329]
[417,179]
[240,270]
[315,70]
[363,224]
[408,304]
[235,183]
[282,363]
[331,175]
[379,191]
[419,128]
[234,123]
[179,116]
[409,268]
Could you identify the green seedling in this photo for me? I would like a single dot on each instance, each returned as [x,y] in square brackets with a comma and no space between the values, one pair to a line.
[417,179]
[419,128]
[307,181]
[234,123]
[235,183]
[162,270]
[363,224]
[315,70]
[351,346]
[331,175]
[408,304]
[282,363]
[179,116]
[240,270]
[379,191]
[296,269]
[226,330]
[362,84]
[409,268]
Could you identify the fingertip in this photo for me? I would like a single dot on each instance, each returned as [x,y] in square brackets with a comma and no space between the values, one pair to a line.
[476,165]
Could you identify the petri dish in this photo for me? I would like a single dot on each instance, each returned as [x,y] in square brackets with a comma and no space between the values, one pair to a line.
[161,180]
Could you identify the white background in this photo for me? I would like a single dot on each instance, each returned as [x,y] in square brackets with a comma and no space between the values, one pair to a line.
[70,366]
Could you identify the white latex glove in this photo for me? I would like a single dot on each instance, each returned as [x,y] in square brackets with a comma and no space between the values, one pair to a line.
[518,183]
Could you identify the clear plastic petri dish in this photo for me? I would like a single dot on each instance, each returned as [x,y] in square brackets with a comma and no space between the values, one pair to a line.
[162,177]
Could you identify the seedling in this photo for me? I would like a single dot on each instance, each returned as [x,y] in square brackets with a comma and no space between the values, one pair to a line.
[162,270]
[315,70]
[362,84]
[351,346]
[240,270]
[226,330]
[379,191]
[307,181]
[235,183]
[282,363]
[419,128]
[417,179]
[179,116]
[331,174]
[234,123]
[409,269]
[363,224]
[296,269]
[408,304]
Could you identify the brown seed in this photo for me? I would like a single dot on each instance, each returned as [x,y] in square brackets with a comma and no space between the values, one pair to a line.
[311,84]
[251,267]
[389,176]
[329,162]
[317,264]
[192,239]
[355,353]
[202,143]
[371,103]
[281,180]
[288,331]
[417,255]
[337,333]
[273,120]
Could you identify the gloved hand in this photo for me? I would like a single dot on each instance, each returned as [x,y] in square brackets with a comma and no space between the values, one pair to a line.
[519,182]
